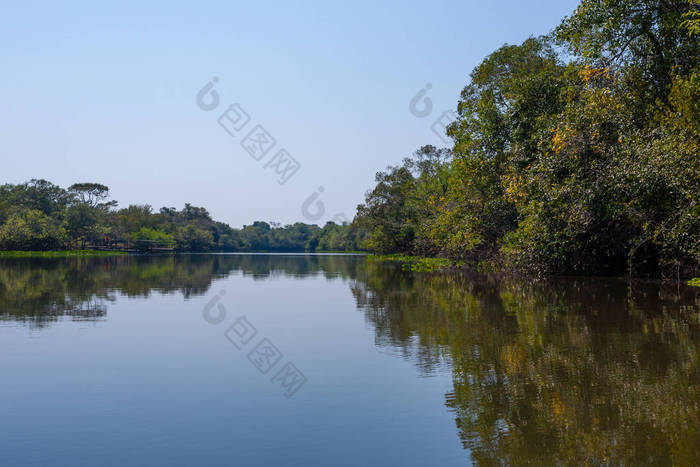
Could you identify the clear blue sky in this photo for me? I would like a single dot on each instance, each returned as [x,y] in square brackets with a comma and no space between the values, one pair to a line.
[106,93]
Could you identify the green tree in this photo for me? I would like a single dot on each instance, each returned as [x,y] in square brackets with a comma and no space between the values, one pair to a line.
[82,222]
[647,38]
[92,194]
[31,230]
[387,213]
[192,238]
[514,95]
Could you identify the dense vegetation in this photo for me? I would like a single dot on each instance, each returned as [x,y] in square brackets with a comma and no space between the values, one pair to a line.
[39,215]
[575,153]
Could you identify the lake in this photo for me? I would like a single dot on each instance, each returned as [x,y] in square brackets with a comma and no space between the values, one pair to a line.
[339,360]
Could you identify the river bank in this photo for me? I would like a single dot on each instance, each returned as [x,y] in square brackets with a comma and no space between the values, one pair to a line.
[58,253]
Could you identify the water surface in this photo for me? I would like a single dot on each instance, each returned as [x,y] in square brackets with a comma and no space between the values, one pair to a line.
[186,360]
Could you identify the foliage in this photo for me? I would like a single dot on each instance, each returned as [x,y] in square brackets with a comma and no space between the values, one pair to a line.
[692,18]
[31,230]
[91,193]
[576,153]
[38,215]
[397,211]
[82,222]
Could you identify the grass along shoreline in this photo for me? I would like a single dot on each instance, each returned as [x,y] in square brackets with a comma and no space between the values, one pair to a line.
[58,253]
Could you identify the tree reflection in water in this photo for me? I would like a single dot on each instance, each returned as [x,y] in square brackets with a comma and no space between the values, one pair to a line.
[38,291]
[567,371]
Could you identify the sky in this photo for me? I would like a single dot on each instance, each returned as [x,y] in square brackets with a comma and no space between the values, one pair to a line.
[108,93]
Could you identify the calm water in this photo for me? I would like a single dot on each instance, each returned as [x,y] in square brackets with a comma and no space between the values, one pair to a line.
[303,360]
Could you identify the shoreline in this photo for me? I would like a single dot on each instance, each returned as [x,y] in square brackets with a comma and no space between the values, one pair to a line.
[58,253]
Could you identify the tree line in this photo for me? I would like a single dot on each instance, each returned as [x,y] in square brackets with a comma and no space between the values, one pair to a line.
[38,215]
[573,153]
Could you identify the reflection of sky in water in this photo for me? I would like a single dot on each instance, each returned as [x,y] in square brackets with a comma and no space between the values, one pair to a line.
[154,383]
